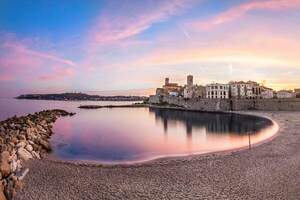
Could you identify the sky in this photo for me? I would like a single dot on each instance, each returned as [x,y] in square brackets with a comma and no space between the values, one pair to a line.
[123,45]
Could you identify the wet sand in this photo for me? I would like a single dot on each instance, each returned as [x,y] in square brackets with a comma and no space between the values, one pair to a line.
[270,170]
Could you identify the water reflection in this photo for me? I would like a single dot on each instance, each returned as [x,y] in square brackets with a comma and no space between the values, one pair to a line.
[217,123]
[132,134]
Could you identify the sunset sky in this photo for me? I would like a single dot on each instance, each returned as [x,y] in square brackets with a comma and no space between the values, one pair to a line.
[93,45]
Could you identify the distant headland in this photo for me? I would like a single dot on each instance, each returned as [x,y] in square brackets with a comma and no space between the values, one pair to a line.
[80,97]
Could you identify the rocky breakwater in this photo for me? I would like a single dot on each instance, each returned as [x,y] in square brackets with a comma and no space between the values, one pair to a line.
[21,139]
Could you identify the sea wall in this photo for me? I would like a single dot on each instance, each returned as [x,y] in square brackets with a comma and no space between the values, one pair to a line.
[193,104]
[21,139]
[230,105]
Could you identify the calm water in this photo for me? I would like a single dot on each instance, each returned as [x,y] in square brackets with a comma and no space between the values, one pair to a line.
[119,135]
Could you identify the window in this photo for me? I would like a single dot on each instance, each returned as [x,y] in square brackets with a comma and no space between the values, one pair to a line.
[221,87]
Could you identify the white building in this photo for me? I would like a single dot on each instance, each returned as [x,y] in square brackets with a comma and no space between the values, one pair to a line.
[217,91]
[241,90]
[282,94]
[267,94]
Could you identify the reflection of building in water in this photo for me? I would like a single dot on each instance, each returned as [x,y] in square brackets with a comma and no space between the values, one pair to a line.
[165,125]
[213,122]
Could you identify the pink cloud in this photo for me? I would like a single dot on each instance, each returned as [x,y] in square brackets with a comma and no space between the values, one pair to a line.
[240,10]
[134,19]
[5,77]
[58,74]
[19,61]
[21,50]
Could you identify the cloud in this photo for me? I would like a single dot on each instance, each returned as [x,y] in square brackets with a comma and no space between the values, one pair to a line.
[133,18]
[5,77]
[19,61]
[242,9]
[19,48]
[58,74]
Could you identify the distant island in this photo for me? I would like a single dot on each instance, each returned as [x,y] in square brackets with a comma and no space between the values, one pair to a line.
[80,97]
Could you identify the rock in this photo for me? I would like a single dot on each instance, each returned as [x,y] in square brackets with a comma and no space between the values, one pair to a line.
[30,142]
[45,145]
[2,196]
[24,154]
[17,182]
[13,166]
[29,148]
[14,140]
[36,147]
[21,137]
[9,190]
[21,175]
[41,129]
[19,164]
[4,165]
[36,155]
[21,144]
[13,155]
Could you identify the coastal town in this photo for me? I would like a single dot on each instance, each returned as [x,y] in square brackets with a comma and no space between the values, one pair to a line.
[231,90]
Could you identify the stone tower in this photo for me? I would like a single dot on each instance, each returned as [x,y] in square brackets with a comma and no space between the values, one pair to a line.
[167,81]
[189,80]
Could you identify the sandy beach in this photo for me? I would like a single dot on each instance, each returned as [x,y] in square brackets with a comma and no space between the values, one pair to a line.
[268,171]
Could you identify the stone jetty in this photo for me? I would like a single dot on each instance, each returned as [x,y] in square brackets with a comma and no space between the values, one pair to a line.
[21,139]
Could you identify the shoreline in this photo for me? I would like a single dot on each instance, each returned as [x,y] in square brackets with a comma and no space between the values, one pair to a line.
[268,171]
[183,159]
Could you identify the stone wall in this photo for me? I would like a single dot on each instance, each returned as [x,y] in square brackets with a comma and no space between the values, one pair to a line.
[193,104]
[278,104]
[227,105]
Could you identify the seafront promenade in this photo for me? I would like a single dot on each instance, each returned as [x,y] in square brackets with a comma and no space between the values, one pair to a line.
[270,170]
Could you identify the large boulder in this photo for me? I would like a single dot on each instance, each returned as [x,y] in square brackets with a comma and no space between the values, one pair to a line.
[24,154]
[45,144]
[4,165]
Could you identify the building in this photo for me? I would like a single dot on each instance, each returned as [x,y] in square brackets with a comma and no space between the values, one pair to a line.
[240,90]
[174,94]
[267,93]
[190,81]
[168,88]
[171,86]
[160,91]
[188,91]
[199,91]
[297,93]
[193,91]
[256,89]
[282,94]
[217,91]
